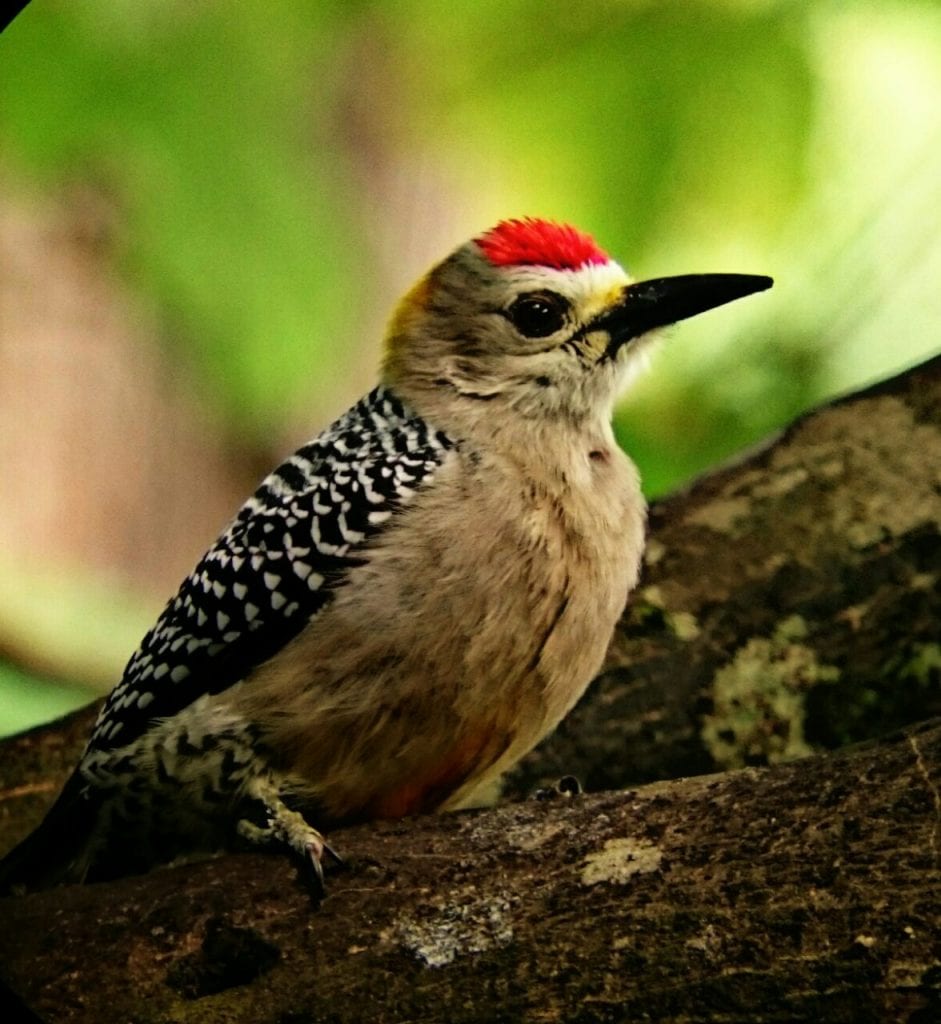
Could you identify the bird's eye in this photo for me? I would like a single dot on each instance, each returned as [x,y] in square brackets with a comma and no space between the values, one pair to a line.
[537,314]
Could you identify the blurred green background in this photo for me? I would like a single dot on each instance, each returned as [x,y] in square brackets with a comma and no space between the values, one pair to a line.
[206,211]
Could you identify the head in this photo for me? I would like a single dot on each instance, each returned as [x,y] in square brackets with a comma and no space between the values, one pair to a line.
[535,317]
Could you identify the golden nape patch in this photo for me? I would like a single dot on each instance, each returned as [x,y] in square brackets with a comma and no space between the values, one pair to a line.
[414,300]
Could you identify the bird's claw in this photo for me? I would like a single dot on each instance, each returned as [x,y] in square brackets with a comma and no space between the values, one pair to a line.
[332,854]
[317,850]
[314,861]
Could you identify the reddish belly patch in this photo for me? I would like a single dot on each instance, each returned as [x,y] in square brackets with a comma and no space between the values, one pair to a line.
[431,788]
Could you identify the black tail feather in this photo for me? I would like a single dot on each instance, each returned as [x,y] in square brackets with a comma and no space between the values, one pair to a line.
[13,1010]
[56,850]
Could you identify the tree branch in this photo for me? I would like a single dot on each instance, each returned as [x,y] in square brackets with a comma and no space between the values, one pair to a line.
[809,891]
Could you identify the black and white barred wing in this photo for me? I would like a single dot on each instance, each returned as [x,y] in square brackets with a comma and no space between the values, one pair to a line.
[277,564]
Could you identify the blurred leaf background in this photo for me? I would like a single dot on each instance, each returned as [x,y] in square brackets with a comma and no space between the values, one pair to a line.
[207,209]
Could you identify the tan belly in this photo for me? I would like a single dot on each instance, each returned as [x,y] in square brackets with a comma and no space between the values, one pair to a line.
[475,626]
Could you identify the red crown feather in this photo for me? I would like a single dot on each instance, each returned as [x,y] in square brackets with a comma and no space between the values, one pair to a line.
[541,243]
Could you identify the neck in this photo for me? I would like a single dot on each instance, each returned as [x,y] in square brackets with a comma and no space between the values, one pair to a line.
[518,425]
[463,404]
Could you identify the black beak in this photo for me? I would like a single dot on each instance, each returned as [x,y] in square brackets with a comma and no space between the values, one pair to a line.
[665,300]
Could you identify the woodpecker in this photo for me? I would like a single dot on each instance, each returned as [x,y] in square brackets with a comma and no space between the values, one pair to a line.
[411,601]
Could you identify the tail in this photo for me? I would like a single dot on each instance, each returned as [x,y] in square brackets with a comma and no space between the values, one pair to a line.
[56,851]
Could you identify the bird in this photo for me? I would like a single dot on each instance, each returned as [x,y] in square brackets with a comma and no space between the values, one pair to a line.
[412,600]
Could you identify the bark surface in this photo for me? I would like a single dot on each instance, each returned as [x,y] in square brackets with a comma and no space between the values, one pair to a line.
[789,606]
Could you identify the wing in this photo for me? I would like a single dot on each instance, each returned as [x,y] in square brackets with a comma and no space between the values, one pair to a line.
[277,565]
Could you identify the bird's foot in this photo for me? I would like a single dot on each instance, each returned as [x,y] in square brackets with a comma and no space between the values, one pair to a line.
[285,827]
